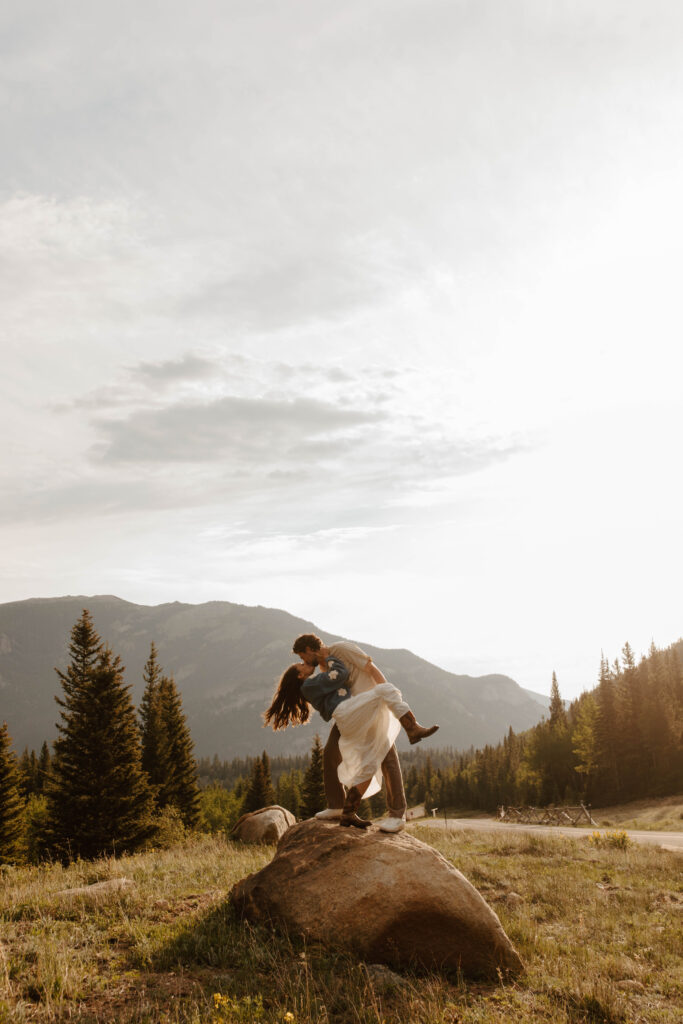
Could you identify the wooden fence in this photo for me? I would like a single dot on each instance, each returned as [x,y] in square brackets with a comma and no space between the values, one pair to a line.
[547,815]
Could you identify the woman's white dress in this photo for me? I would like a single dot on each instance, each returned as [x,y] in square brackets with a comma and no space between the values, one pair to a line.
[368,725]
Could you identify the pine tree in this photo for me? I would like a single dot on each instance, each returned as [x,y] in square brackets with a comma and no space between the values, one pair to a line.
[629,743]
[11,804]
[44,762]
[288,791]
[28,774]
[585,741]
[153,735]
[558,715]
[180,788]
[313,792]
[267,779]
[628,657]
[607,734]
[257,794]
[98,798]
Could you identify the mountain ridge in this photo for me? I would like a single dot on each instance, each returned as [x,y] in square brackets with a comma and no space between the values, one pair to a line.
[226,659]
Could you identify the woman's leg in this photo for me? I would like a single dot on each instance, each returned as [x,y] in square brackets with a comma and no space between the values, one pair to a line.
[397,705]
[351,805]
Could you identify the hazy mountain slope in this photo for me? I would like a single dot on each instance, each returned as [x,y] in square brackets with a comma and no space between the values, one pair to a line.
[540,698]
[226,659]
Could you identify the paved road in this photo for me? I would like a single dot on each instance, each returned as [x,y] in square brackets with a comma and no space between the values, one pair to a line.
[667,840]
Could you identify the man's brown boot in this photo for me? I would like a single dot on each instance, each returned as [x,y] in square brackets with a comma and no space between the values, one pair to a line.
[415,731]
[351,805]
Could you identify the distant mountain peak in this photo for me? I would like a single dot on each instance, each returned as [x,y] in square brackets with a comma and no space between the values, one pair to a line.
[226,659]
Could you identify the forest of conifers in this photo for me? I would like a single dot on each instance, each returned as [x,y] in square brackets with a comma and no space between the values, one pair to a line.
[620,741]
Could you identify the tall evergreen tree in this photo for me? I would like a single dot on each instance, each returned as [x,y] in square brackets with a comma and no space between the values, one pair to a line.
[268,779]
[313,790]
[558,715]
[44,761]
[288,791]
[180,788]
[153,735]
[607,731]
[28,773]
[98,797]
[585,741]
[260,791]
[11,804]
[629,739]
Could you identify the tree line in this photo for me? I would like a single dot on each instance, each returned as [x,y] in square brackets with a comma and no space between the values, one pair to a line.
[117,781]
[621,741]
[114,781]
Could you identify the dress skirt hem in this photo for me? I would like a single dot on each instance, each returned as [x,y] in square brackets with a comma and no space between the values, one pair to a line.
[367,730]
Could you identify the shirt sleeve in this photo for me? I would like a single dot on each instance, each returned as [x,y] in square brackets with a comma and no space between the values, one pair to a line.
[351,653]
[337,672]
[322,683]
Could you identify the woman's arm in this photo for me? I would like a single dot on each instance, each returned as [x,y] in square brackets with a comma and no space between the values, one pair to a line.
[325,687]
[333,671]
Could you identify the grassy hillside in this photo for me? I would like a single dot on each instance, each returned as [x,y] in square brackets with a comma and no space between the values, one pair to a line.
[600,930]
[663,815]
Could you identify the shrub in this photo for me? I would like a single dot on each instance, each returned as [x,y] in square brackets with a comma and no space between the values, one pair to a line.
[169,828]
[35,824]
[615,840]
[219,809]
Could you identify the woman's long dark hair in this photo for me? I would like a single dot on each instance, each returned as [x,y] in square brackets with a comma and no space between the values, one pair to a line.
[288,706]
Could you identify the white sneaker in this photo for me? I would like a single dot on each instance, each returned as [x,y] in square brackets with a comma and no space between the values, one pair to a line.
[392,824]
[329,812]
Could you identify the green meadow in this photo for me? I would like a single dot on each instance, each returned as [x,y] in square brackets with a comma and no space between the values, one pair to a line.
[600,929]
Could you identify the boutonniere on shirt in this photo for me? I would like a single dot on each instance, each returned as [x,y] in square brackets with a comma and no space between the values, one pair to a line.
[342,691]
[334,674]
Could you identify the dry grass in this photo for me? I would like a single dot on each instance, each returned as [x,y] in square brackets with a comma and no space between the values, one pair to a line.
[658,814]
[662,815]
[585,921]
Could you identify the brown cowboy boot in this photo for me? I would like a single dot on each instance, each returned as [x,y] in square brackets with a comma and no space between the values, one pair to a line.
[415,731]
[351,805]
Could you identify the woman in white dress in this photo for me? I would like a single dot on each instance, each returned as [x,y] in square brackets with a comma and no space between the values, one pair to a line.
[368,723]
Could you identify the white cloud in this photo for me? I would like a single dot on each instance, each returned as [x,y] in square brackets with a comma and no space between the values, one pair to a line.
[450,232]
[245,431]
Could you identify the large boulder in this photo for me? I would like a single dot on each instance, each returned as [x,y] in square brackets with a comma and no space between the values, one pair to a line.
[266,825]
[389,898]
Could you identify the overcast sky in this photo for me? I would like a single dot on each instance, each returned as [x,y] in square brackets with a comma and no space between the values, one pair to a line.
[369,311]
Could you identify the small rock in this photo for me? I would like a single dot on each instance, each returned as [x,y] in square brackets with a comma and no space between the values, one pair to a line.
[99,889]
[383,980]
[630,985]
[514,899]
[266,825]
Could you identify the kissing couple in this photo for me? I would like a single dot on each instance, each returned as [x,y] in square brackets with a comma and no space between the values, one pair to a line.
[343,684]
